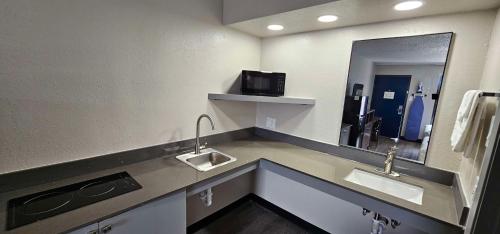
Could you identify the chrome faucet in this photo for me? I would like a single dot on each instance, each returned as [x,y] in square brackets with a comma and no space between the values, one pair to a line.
[391,154]
[389,161]
[197,146]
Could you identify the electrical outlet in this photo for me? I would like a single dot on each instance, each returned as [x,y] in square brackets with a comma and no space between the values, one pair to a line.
[270,123]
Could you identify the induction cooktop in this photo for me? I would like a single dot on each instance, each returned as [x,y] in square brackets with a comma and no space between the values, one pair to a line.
[31,208]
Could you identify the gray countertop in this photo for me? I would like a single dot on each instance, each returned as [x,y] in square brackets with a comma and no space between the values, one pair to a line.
[161,176]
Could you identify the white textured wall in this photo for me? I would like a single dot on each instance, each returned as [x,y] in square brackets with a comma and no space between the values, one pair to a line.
[361,73]
[317,65]
[80,79]
[491,74]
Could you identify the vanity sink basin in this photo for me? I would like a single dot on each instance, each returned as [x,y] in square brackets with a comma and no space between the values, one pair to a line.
[390,186]
[207,160]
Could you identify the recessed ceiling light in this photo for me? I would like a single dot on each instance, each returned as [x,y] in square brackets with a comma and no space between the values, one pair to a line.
[275,27]
[327,18]
[408,5]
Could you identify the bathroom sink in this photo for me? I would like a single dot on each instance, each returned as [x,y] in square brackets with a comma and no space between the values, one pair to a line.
[383,184]
[207,160]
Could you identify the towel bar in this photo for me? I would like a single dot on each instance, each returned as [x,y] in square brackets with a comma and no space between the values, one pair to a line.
[489,94]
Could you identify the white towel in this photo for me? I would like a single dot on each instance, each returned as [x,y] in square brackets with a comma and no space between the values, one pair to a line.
[476,134]
[463,123]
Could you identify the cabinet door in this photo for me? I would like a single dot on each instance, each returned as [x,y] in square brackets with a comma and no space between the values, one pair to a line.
[318,208]
[167,215]
[90,229]
[325,211]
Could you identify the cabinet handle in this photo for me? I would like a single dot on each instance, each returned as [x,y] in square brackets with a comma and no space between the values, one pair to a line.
[106,228]
[93,232]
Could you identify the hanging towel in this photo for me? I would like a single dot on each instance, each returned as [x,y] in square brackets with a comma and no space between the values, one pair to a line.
[472,145]
[463,123]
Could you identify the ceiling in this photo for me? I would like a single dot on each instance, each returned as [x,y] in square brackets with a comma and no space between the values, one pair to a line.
[354,12]
[234,11]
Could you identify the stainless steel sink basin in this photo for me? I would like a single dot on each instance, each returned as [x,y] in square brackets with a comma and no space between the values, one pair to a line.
[207,160]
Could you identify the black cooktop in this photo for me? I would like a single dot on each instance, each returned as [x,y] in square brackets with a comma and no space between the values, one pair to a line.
[31,208]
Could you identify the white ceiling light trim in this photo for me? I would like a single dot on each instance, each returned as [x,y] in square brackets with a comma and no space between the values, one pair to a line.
[275,27]
[327,18]
[408,5]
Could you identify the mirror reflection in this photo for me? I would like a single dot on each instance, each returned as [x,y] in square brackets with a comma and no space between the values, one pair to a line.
[392,93]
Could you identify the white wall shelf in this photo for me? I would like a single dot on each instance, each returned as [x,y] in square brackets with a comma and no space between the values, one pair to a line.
[264,99]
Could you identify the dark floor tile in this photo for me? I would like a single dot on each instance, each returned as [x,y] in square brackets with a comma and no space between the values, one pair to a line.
[252,218]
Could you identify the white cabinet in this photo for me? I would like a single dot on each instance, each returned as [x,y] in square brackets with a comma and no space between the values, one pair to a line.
[318,208]
[165,215]
[323,210]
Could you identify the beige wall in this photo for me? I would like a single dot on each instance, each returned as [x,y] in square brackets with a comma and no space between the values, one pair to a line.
[361,73]
[85,78]
[317,65]
[491,74]
[471,167]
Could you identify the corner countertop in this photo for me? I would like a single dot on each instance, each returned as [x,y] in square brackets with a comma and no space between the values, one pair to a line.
[161,176]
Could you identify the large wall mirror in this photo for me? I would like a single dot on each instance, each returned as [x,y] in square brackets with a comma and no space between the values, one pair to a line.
[392,93]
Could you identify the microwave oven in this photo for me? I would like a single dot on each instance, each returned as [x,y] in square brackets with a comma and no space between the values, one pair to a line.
[262,83]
